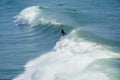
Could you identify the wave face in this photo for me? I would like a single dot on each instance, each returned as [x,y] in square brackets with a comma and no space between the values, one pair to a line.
[72,58]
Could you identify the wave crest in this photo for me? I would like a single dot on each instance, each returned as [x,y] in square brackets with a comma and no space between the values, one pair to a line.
[33,16]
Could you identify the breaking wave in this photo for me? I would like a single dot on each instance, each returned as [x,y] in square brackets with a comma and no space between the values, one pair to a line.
[36,15]
[69,60]
[33,16]
[72,58]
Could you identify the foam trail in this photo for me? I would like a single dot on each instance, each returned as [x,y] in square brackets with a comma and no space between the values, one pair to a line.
[69,60]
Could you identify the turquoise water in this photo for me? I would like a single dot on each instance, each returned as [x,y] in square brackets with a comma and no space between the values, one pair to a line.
[31,46]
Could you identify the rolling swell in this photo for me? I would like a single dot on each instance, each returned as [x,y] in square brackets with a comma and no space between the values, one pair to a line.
[72,58]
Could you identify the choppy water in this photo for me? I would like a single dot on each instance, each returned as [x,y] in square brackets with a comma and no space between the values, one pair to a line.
[31,46]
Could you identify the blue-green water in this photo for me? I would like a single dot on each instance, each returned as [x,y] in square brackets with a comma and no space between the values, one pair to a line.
[31,46]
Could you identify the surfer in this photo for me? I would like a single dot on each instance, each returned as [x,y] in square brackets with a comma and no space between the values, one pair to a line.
[62,32]
[74,10]
[60,4]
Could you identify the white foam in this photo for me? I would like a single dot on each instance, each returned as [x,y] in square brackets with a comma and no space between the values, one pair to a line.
[36,15]
[69,60]
[33,16]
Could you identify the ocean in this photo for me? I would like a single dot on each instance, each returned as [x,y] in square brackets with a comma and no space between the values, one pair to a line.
[32,48]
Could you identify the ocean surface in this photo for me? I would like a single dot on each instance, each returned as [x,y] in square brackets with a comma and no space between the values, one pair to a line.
[32,48]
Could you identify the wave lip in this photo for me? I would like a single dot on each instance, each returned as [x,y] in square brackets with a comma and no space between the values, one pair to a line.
[33,16]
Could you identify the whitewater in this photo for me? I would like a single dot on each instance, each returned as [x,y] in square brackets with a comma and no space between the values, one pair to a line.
[72,58]
[69,60]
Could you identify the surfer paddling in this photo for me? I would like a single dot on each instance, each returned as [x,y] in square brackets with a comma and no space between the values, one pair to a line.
[62,32]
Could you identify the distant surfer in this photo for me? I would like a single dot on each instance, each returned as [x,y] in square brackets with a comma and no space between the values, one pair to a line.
[62,32]
[74,10]
[60,4]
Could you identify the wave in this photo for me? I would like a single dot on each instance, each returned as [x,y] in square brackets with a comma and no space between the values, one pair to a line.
[72,58]
[69,60]
[36,15]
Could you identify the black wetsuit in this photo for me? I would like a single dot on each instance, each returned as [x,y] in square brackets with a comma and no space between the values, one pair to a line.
[62,32]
